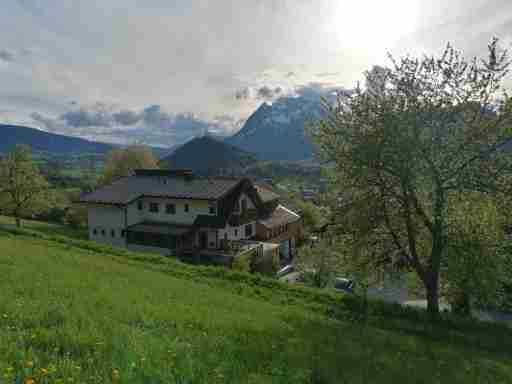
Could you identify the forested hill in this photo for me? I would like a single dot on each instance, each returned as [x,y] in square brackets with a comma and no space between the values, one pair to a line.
[206,155]
[41,141]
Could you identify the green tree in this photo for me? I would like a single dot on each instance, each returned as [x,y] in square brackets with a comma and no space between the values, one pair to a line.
[476,252]
[122,162]
[425,132]
[21,184]
[311,215]
[318,264]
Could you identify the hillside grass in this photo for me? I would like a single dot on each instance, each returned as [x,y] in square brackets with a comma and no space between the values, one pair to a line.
[49,229]
[75,311]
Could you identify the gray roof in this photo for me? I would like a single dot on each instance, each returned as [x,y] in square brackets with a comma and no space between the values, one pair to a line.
[265,191]
[130,188]
[280,216]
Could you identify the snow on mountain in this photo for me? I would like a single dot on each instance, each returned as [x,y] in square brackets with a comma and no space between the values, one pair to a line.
[276,131]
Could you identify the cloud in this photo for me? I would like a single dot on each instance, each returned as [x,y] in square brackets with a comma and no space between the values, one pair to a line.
[98,116]
[6,55]
[151,125]
[264,92]
[243,94]
[260,50]
[126,117]
[327,74]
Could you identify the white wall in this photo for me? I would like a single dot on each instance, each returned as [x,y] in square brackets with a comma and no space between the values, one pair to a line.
[103,219]
[196,207]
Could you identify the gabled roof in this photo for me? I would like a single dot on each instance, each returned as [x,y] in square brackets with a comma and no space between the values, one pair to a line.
[128,189]
[265,191]
[280,216]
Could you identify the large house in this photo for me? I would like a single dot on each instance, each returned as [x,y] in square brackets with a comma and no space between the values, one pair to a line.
[174,212]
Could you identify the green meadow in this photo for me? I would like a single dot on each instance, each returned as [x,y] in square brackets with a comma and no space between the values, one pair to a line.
[75,312]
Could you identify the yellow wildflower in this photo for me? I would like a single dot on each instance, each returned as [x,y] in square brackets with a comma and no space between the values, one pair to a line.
[115,375]
[30,381]
[44,371]
[29,364]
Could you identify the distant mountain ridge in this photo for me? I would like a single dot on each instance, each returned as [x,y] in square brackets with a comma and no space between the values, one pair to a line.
[206,155]
[41,141]
[276,131]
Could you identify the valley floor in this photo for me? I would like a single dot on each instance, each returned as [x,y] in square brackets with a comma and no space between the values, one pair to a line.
[71,312]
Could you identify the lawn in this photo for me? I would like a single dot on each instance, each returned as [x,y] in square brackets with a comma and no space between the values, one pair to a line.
[46,228]
[74,312]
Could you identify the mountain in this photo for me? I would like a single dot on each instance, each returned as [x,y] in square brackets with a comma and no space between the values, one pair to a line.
[276,131]
[206,155]
[40,141]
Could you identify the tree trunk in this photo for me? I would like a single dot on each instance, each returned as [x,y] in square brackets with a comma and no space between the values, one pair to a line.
[432,287]
[17,216]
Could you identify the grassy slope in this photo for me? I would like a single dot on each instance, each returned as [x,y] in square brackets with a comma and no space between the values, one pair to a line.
[83,313]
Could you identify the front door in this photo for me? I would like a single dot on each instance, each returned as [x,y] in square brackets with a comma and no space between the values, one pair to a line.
[203,240]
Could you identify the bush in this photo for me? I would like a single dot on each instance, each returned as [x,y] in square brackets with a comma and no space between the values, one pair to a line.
[54,215]
[243,263]
[76,217]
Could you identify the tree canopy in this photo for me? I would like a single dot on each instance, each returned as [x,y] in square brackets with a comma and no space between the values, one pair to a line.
[425,134]
[122,162]
[21,184]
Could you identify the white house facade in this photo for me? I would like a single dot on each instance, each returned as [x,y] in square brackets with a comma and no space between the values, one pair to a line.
[173,211]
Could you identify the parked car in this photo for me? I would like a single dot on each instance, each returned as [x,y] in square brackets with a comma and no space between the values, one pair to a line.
[286,270]
[342,284]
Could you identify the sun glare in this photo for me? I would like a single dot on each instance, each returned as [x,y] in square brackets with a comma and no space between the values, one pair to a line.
[373,25]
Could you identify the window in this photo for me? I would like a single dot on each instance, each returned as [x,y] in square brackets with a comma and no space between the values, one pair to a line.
[186,208]
[212,210]
[112,233]
[269,234]
[225,236]
[123,233]
[248,230]
[244,205]
[153,207]
[170,209]
[237,206]
[95,231]
[140,205]
[103,232]
[236,232]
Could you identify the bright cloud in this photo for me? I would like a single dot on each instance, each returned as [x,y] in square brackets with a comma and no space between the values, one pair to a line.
[125,69]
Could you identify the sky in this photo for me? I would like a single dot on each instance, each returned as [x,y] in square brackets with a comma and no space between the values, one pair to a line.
[163,71]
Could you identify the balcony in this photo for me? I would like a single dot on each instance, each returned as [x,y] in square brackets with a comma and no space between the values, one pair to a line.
[228,251]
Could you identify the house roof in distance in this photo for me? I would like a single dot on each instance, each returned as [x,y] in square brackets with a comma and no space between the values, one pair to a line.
[265,191]
[178,184]
[280,216]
